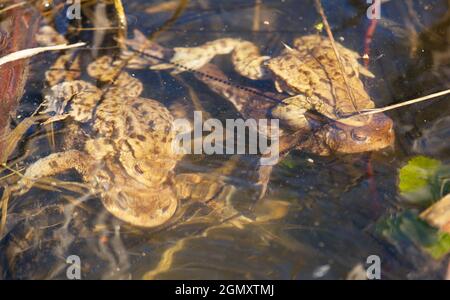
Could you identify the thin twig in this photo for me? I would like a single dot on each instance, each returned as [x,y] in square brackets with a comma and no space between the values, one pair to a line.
[409,102]
[21,54]
[257,16]
[167,24]
[4,206]
[182,4]
[94,28]
[162,7]
[336,52]
[372,111]
[10,175]
[12,6]
[122,21]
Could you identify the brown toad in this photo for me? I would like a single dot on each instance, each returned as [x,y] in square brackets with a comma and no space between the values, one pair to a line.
[128,158]
[121,144]
[311,74]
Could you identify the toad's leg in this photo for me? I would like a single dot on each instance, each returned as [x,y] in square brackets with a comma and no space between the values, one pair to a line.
[246,57]
[51,165]
[198,187]
[212,191]
[291,111]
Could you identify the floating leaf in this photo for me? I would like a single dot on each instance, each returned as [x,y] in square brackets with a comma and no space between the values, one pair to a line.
[417,180]
[417,172]
[407,228]
[441,247]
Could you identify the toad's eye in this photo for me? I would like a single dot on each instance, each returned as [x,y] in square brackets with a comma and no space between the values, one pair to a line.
[358,136]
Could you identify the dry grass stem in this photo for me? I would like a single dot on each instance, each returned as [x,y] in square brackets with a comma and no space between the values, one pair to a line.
[336,52]
[122,22]
[12,6]
[26,53]
[409,102]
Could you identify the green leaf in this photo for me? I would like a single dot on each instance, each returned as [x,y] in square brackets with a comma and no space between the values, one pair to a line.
[417,173]
[408,229]
[417,181]
[441,247]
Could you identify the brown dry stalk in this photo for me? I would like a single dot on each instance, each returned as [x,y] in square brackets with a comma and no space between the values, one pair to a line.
[162,7]
[94,28]
[4,206]
[12,6]
[182,4]
[257,15]
[122,22]
[11,174]
[180,8]
[9,141]
[336,52]
[26,53]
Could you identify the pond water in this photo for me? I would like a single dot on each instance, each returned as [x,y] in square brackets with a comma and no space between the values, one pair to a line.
[318,216]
